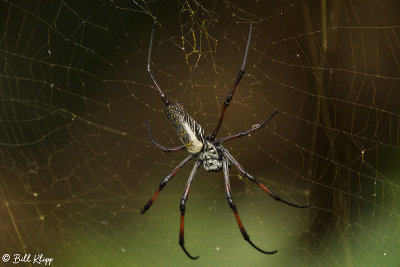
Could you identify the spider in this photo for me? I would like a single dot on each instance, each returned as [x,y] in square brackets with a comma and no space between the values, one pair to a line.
[207,149]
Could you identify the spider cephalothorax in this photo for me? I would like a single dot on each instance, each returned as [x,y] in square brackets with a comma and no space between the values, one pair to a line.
[211,156]
[208,150]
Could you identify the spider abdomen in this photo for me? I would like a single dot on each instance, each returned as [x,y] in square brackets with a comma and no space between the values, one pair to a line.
[189,131]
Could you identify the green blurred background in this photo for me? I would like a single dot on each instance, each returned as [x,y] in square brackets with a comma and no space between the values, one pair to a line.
[76,163]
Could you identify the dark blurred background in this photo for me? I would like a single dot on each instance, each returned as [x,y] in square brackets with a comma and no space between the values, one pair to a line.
[77,165]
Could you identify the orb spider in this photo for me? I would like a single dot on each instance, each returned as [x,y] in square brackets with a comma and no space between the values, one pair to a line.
[207,149]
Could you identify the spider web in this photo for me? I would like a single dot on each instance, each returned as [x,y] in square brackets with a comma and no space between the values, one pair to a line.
[77,164]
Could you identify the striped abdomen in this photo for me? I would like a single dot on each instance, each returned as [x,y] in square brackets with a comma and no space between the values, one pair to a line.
[188,130]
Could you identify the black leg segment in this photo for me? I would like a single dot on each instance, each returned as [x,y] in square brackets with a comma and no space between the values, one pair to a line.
[236,83]
[163,148]
[182,208]
[255,180]
[253,129]
[163,97]
[233,207]
[165,181]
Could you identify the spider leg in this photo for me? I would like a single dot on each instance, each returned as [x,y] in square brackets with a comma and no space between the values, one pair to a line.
[233,207]
[263,187]
[253,129]
[165,181]
[163,148]
[230,95]
[182,208]
[163,97]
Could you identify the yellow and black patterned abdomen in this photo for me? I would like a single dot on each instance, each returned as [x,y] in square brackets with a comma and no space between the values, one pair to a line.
[188,130]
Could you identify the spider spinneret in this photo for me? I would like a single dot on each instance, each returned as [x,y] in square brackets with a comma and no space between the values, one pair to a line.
[208,150]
